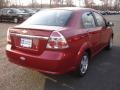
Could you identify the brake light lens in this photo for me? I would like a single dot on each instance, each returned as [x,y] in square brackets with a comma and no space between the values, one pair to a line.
[57,41]
[8,36]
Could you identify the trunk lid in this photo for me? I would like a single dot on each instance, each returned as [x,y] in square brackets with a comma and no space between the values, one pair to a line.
[31,39]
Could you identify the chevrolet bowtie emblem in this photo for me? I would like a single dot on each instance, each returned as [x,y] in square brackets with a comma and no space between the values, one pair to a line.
[24,31]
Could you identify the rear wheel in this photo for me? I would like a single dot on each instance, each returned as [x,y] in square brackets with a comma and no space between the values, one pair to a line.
[83,66]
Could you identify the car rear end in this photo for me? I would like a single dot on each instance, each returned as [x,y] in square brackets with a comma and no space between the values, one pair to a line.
[40,47]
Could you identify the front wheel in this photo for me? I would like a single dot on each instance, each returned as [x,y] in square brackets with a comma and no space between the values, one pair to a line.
[83,66]
[110,44]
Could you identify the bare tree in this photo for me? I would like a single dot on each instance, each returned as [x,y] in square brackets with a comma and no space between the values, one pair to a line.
[61,2]
[4,3]
[69,2]
[89,3]
[41,3]
[117,4]
[50,3]
[33,3]
[86,3]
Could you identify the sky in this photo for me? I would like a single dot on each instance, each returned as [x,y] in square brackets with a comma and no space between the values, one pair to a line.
[76,2]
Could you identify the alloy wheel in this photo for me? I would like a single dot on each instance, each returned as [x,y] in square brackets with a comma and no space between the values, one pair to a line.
[84,64]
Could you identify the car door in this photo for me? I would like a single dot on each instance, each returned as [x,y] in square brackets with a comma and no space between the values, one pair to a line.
[104,31]
[0,15]
[9,15]
[93,32]
[5,15]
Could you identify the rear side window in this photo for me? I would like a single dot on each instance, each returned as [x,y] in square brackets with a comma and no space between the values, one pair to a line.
[88,20]
[49,18]
[99,19]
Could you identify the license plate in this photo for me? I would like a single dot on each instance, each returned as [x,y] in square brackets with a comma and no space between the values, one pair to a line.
[26,43]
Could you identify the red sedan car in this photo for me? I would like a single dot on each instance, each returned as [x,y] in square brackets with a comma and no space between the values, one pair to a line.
[59,40]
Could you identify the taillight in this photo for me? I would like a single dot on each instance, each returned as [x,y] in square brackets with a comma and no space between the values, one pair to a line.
[8,37]
[57,41]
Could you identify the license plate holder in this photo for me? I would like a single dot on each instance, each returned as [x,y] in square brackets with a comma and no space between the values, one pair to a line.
[27,43]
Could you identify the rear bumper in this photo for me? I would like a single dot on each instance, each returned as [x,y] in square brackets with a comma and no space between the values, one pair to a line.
[52,62]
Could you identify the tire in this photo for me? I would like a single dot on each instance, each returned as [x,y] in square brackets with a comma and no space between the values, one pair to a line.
[15,20]
[110,44]
[83,65]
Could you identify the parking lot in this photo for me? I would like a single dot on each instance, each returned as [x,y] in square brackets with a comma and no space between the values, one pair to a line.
[103,74]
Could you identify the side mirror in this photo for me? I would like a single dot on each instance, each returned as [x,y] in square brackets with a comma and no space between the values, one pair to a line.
[110,24]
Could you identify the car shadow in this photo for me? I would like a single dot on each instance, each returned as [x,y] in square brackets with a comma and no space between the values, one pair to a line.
[103,74]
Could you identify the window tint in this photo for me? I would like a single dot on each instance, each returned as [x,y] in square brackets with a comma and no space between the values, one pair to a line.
[49,18]
[99,19]
[4,11]
[10,11]
[88,20]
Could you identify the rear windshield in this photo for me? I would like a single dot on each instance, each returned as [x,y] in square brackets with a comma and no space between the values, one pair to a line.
[49,18]
[17,10]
